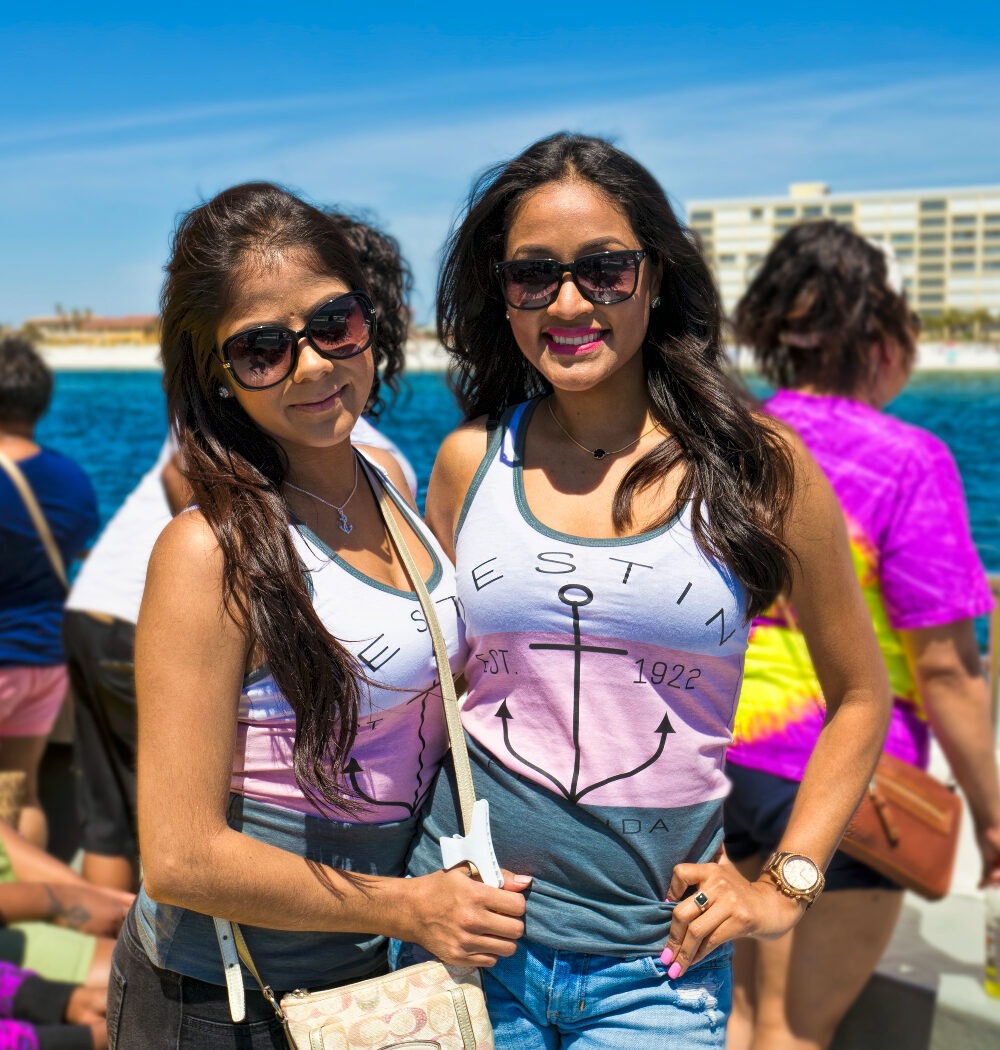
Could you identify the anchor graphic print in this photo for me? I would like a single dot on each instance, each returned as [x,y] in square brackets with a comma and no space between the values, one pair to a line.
[576,596]
[594,718]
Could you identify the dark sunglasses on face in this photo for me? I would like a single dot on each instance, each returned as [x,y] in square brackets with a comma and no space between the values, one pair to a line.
[262,357]
[603,278]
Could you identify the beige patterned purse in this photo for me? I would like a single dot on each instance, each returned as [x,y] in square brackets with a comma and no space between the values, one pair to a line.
[428,1006]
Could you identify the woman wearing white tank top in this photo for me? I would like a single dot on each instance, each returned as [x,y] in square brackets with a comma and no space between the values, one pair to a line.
[569,283]
[281,674]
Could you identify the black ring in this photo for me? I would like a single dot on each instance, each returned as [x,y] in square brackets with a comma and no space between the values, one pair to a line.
[701,899]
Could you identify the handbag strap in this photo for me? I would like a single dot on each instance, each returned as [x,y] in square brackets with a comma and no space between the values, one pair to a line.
[37,517]
[456,737]
[452,712]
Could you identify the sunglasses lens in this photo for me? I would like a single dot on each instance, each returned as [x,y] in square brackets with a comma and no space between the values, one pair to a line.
[531,283]
[340,328]
[261,357]
[607,278]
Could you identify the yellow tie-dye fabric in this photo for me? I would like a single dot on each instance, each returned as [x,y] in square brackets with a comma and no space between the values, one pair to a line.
[780,688]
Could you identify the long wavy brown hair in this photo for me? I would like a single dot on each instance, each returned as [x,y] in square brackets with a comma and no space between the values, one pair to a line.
[236,470]
[737,470]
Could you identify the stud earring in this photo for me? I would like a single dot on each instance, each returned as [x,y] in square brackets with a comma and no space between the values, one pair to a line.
[224,392]
[655,303]
[507,314]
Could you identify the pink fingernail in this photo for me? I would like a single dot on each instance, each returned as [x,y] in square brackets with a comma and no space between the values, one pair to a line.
[674,972]
[666,956]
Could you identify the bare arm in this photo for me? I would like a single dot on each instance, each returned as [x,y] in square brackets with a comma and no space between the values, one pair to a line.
[837,627]
[190,661]
[89,909]
[945,664]
[457,461]
[31,864]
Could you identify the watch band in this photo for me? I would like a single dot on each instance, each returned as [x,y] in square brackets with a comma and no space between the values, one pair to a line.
[775,869]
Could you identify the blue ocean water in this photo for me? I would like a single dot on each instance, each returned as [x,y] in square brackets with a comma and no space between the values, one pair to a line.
[113,423]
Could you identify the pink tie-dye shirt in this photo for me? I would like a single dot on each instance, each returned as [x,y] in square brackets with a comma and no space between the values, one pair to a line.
[913,553]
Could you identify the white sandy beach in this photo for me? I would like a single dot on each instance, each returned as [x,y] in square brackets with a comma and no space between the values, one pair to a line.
[426,355]
[422,355]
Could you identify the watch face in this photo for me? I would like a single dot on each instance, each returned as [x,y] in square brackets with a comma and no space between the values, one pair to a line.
[800,873]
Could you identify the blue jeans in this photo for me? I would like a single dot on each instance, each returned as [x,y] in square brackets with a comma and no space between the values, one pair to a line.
[543,999]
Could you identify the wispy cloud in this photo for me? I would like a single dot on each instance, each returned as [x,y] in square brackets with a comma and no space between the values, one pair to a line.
[78,206]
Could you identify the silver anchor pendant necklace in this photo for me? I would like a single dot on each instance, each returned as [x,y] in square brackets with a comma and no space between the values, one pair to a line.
[345,525]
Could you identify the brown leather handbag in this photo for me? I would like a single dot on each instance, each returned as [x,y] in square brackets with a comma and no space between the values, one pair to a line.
[907,824]
[907,828]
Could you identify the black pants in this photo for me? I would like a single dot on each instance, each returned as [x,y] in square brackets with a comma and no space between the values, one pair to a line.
[154,1009]
[100,658]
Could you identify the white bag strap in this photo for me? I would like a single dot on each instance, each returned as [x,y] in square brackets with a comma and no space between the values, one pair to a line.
[452,712]
[37,517]
[231,965]
[229,935]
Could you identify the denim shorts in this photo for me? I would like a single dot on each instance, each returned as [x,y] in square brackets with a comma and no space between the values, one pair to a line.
[541,999]
[154,1009]
[756,815]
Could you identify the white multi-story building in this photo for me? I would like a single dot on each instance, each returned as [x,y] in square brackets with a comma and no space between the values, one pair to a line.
[947,240]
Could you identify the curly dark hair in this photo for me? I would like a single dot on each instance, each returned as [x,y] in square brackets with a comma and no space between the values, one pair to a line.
[390,284]
[736,465]
[25,382]
[236,470]
[818,305]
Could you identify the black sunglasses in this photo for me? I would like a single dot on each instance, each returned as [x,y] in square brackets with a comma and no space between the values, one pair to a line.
[603,278]
[262,357]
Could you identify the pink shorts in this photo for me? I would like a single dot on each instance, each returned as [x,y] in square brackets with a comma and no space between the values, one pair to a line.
[30,698]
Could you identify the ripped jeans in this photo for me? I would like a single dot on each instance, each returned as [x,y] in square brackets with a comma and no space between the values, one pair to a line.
[543,999]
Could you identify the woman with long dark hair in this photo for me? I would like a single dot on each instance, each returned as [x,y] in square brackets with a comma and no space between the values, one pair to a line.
[289,717]
[829,325]
[618,516]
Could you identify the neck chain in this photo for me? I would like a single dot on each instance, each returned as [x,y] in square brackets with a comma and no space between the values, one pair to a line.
[345,525]
[599,453]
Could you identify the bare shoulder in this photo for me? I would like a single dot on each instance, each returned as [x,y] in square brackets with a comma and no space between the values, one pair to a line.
[461,453]
[186,565]
[187,541]
[815,517]
[781,433]
[810,483]
[184,582]
[384,459]
[456,464]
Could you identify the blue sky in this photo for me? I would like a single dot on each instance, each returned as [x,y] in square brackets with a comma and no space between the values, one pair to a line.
[111,127]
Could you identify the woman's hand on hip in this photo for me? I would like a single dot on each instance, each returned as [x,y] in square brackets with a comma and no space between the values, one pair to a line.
[724,907]
[462,921]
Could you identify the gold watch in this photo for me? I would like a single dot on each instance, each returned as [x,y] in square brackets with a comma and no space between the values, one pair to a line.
[795,876]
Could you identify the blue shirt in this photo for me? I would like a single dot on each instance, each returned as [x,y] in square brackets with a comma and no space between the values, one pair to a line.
[31,596]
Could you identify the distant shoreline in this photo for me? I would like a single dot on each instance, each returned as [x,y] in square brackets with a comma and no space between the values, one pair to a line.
[422,355]
[426,355]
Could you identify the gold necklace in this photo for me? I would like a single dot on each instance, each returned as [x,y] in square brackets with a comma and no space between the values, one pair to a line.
[345,525]
[599,453]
